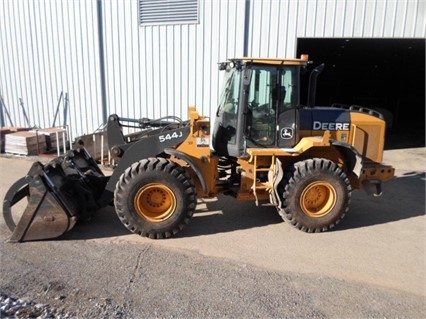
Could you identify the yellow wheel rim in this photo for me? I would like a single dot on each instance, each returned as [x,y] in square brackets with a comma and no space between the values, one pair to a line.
[318,199]
[155,202]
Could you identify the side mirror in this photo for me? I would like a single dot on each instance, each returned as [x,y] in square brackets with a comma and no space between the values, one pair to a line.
[222,66]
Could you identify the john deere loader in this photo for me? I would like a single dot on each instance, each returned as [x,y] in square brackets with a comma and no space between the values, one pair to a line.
[264,146]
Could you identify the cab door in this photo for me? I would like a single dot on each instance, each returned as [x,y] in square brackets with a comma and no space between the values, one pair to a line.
[272,102]
[288,107]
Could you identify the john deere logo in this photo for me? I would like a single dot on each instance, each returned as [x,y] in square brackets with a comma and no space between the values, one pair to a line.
[287,133]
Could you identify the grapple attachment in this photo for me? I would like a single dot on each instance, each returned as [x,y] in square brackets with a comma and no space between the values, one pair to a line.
[57,195]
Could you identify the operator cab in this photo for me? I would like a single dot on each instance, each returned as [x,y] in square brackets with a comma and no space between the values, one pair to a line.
[258,105]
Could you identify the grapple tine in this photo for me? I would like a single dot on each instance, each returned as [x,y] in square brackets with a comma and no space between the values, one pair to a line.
[58,194]
[16,193]
[43,217]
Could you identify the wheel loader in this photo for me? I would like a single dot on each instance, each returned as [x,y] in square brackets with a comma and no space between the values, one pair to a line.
[264,146]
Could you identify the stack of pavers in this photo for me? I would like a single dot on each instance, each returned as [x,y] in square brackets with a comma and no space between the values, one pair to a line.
[25,143]
[55,137]
[4,131]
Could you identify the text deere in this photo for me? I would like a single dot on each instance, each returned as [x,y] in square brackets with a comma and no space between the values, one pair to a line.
[322,126]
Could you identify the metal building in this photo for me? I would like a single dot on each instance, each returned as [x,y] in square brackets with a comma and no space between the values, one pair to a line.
[149,58]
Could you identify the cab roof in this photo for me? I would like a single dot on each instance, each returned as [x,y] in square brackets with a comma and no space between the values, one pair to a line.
[302,61]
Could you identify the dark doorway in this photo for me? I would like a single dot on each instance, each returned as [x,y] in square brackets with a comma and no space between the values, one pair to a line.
[383,74]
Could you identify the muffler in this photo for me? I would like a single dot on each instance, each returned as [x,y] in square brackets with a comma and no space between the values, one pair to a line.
[58,194]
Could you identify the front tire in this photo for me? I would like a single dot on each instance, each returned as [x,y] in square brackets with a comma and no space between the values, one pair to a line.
[155,198]
[316,195]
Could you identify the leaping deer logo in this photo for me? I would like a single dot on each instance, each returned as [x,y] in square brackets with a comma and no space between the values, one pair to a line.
[287,133]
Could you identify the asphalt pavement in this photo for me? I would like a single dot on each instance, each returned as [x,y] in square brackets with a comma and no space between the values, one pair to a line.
[235,260]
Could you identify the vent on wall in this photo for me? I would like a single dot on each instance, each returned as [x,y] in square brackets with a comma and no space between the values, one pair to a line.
[159,12]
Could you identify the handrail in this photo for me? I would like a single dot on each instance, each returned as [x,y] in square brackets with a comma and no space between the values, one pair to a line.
[258,185]
[354,129]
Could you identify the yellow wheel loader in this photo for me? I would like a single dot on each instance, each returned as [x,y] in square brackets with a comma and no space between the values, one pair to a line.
[264,146]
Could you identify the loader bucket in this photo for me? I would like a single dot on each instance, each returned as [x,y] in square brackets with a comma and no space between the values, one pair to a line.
[56,196]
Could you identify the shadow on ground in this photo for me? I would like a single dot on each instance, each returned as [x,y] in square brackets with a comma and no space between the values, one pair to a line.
[219,216]
[403,198]
[226,214]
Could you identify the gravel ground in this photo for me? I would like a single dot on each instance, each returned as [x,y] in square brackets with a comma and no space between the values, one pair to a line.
[21,308]
[90,279]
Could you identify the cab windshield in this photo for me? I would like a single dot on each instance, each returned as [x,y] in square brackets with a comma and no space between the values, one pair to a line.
[228,101]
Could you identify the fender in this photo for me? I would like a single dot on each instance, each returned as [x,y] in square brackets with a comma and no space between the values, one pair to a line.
[353,158]
[191,162]
[138,150]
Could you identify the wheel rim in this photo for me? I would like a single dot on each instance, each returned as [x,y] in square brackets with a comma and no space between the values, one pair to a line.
[155,202]
[318,199]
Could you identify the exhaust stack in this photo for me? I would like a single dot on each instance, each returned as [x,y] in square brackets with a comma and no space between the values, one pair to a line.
[312,89]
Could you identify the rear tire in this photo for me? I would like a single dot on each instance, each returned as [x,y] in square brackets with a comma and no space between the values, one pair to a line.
[155,198]
[316,195]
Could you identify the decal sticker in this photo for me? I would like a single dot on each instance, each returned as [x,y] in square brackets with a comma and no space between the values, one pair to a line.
[203,142]
[168,137]
[286,133]
[323,119]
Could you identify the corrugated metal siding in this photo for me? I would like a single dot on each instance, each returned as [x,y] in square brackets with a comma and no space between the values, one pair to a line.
[47,47]
[165,68]
[51,46]
[275,25]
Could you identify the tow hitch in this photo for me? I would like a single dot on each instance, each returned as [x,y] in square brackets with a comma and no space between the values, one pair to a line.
[373,175]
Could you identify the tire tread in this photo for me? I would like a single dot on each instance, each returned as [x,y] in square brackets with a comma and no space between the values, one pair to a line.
[300,171]
[154,165]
